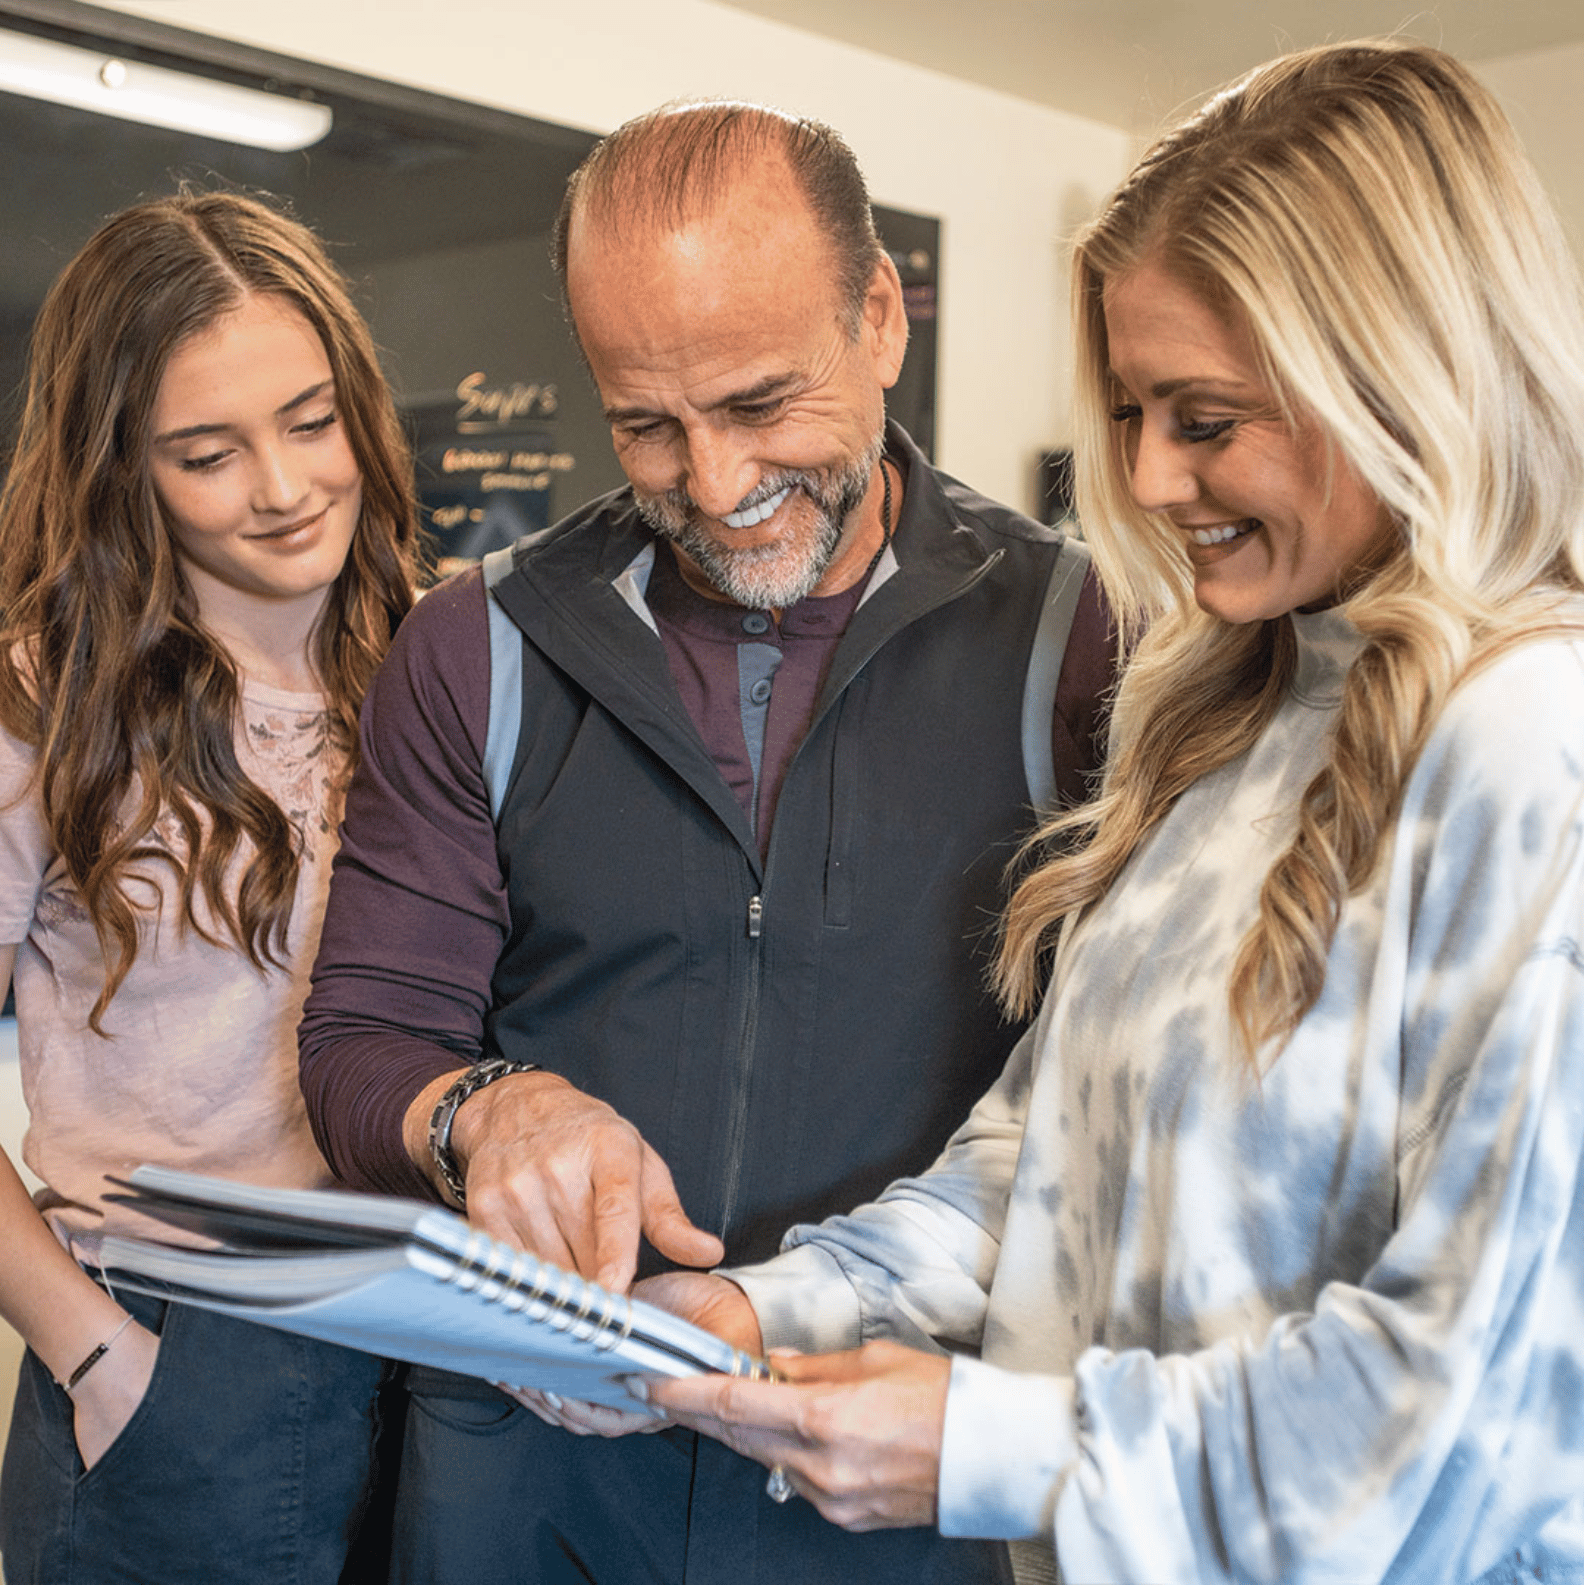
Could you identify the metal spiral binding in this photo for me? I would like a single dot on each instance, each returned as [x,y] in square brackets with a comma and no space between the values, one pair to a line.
[544,1293]
[749,1368]
[520,1282]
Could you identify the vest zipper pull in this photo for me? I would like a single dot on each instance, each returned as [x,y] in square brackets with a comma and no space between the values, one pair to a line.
[755,917]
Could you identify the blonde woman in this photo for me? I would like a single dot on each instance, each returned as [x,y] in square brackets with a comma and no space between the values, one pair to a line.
[1265,1257]
[207,539]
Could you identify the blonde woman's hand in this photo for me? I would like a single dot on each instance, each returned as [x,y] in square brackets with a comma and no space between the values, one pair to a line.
[857,1434]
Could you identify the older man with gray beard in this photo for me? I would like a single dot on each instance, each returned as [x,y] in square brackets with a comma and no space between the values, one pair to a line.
[667,870]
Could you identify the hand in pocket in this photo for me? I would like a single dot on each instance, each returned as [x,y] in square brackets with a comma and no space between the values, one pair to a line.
[108,1396]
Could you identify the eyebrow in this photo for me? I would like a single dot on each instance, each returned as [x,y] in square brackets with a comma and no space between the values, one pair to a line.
[193,431]
[771,385]
[1166,388]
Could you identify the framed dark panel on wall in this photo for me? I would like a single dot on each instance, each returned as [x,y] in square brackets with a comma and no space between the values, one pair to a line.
[438,210]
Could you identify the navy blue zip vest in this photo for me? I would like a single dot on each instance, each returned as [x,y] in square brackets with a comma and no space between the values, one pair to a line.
[789,1035]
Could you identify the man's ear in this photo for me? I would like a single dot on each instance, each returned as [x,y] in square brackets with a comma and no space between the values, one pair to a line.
[885,327]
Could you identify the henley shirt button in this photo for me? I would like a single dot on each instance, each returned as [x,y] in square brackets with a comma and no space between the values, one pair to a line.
[760,692]
[756,622]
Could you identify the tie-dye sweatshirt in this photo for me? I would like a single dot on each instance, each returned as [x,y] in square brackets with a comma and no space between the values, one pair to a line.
[1323,1325]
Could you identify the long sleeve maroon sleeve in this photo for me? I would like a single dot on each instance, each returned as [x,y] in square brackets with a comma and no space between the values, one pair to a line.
[417,910]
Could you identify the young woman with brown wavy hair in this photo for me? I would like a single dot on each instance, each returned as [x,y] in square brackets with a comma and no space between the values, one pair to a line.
[1266,1254]
[207,539]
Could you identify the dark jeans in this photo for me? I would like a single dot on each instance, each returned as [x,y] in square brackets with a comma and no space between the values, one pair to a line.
[249,1462]
[490,1495]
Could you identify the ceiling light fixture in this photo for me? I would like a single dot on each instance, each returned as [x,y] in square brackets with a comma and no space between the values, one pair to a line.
[85,79]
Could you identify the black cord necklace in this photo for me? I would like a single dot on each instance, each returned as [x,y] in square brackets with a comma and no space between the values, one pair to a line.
[885,522]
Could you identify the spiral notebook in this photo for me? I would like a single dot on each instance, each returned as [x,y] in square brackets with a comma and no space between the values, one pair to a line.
[403,1279]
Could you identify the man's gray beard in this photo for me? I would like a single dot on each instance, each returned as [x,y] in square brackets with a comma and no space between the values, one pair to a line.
[777,575]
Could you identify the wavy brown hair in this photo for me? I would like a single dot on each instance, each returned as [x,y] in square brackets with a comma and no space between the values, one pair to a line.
[1366,212]
[104,667]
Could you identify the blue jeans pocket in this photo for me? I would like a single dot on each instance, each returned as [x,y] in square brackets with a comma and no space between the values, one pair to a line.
[165,1321]
[248,1462]
[459,1403]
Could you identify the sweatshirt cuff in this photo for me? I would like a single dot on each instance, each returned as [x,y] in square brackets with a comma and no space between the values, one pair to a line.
[1009,1441]
[803,1301]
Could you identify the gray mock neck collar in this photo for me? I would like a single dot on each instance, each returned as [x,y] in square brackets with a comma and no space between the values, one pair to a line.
[1328,644]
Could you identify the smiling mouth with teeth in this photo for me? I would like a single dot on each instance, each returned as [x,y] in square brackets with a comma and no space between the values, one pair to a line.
[757,514]
[1224,532]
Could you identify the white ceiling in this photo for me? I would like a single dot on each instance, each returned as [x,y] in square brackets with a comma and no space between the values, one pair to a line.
[1136,63]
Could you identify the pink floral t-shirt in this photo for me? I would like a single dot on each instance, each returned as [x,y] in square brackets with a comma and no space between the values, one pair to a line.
[197,1067]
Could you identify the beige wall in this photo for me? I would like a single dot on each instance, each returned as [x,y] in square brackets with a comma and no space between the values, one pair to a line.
[1543,92]
[1007,178]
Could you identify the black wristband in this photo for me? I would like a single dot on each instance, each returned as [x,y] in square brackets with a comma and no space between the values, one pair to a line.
[95,1354]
